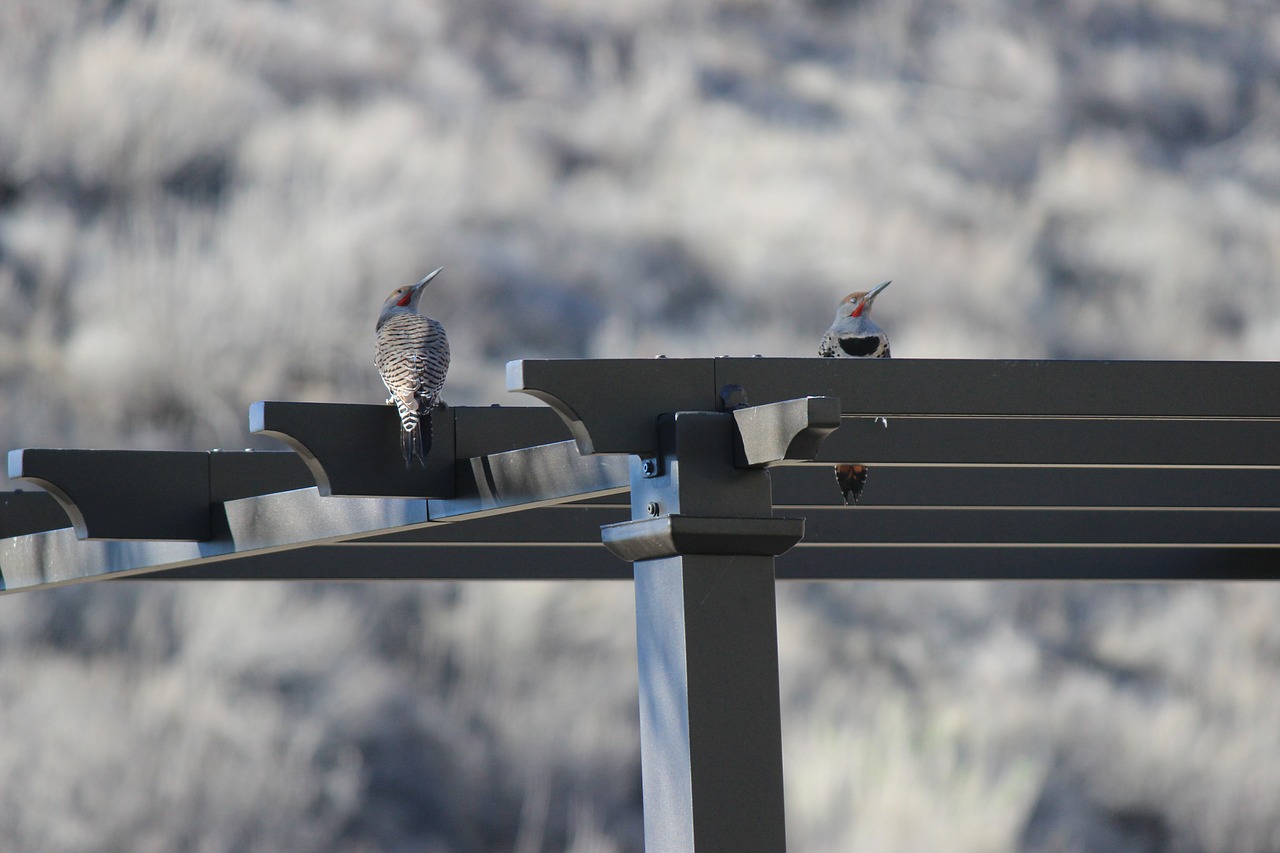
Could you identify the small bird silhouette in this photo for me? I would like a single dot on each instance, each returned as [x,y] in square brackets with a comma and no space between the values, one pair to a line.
[412,357]
[855,335]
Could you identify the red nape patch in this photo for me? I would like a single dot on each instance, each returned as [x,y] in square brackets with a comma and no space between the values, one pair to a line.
[404,300]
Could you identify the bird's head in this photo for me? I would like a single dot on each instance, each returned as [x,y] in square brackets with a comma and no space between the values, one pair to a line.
[859,304]
[405,299]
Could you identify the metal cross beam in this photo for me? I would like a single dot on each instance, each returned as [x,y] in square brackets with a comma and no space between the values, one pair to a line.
[603,421]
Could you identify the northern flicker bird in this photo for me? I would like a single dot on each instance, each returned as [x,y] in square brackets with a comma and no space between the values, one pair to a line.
[412,357]
[855,335]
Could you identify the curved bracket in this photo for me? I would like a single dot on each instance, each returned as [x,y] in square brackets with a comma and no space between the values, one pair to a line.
[676,535]
[29,512]
[790,430]
[152,494]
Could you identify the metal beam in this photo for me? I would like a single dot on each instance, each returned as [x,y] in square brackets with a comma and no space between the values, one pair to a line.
[611,405]
[993,487]
[30,512]
[510,481]
[355,449]
[866,526]
[526,561]
[152,494]
[1041,442]
[1016,388]
[908,562]
[606,422]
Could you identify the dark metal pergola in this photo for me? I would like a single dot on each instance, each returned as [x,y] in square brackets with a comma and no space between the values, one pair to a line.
[981,470]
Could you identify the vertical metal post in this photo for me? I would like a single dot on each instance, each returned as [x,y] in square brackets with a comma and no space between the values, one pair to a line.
[703,541]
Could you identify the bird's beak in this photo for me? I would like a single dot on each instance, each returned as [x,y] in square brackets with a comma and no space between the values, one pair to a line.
[435,272]
[875,291]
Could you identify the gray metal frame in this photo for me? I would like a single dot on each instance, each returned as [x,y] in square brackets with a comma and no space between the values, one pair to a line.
[981,470]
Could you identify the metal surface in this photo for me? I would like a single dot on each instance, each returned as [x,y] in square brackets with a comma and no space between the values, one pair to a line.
[710,718]
[303,517]
[30,512]
[1054,442]
[247,525]
[607,420]
[706,626]
[673,535]
[531,477]
[610,405]
[145,494]
[790,430]
[452,561]
[1016,388]
[1146,563]
[985,486]
[355,449]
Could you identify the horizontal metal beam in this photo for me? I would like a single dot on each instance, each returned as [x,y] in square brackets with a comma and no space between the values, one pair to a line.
[993,487]
[152,494]
[286,519]
[354,449]
[304,518]
[797,487]
[30,512]
[608,404]
[803,563]
[1022,388]
[1053,442]
[867,526]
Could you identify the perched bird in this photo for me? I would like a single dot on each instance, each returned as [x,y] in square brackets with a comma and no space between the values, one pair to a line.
[412,357]
[855,335]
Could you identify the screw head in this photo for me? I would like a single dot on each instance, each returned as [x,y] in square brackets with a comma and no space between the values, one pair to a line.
[652,509]
[647,466]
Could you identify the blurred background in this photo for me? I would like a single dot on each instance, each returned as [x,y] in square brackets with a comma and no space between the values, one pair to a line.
[203,204]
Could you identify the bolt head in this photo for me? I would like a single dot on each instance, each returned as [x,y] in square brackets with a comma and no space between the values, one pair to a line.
[652,509]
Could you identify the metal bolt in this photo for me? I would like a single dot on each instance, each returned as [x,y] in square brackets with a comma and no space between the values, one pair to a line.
[647,466]
[652,509]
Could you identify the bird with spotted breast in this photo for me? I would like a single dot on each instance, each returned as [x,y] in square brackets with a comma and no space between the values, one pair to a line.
[412,357]
[855,335]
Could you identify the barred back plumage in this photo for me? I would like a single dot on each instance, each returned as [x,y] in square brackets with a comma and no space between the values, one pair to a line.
[412,356]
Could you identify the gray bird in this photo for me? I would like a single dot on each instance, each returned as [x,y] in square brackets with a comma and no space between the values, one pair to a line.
[855,335]
[412,357]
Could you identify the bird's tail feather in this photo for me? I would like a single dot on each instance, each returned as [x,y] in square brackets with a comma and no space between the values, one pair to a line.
[415,439]
[851,479]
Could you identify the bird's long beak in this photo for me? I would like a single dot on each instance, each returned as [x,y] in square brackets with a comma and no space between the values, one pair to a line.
[875,291]
[435,272]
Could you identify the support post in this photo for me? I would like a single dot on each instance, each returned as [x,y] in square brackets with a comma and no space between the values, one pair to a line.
[703,541]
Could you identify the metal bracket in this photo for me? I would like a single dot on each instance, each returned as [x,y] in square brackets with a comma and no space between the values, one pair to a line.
[674,535]
[790,430]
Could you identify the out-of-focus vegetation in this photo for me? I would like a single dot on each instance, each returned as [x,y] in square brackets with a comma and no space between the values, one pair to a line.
[203,204]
